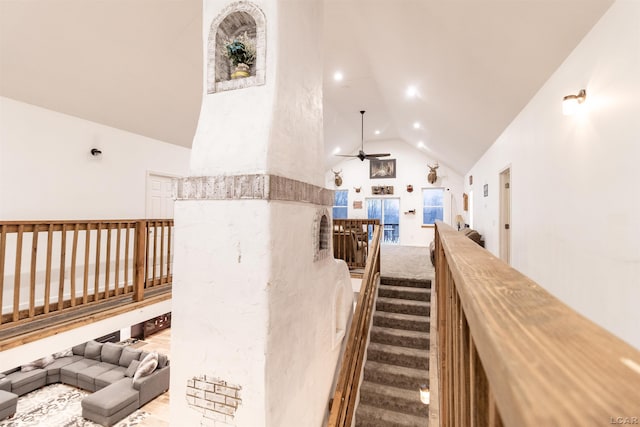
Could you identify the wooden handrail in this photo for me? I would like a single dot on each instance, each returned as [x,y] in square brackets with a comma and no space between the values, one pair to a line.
[344,398]
[510,353]
[72,247]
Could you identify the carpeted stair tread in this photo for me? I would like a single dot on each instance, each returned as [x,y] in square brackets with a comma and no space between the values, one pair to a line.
[400,337]
[393,398]
[394,375]
[402,356]
[396,305]
[401,321]
[370,416]
[414,283]
[404,292]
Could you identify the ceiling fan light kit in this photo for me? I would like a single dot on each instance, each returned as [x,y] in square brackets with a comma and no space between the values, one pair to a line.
[361,154]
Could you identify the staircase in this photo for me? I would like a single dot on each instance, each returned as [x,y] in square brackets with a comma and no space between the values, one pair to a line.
[397,357]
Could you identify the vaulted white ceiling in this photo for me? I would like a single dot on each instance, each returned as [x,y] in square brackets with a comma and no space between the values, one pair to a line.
[136,65]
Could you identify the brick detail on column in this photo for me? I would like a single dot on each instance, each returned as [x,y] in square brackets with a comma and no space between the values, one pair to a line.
[214,398]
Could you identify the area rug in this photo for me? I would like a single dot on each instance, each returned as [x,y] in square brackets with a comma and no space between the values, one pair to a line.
[58,405]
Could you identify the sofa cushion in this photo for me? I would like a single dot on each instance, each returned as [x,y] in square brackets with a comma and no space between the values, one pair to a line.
[133,367]
[110,400]
[109,377]
[87,377]
[110,353]
[54,368]
[24,382]
[147,366]
[128,355]
[92,350]
[79,349]
[163,360]
[72,369]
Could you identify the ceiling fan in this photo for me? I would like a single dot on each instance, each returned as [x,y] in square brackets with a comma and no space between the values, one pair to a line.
[361,154]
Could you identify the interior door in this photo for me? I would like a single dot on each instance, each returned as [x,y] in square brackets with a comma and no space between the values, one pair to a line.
[387,210]
[159,196]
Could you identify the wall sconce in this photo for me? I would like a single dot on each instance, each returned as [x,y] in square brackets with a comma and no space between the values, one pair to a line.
[95,152]
[424,394]
[570,103]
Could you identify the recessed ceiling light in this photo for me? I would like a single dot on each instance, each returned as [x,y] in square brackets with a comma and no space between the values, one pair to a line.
[338,76]
[412,92]
[421,145]
[377,132]
[416,125]
[336,150]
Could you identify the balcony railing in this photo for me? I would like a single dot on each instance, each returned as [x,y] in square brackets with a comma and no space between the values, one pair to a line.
[351,240]
[509,353]
[48,268]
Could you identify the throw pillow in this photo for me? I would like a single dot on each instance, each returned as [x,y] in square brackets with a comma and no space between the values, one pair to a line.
[147,366]
[37,364]
[92,350]
[163,360]
[110,353]
[79,349]
[128,355]
[131,370]
[65,353]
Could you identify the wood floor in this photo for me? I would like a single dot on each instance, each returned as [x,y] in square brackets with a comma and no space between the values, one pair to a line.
[158,408]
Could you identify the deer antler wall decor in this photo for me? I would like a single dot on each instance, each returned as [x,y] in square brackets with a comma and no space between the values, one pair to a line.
[337,179]
[433,175]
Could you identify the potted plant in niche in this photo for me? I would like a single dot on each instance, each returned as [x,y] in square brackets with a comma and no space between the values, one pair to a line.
[241,51]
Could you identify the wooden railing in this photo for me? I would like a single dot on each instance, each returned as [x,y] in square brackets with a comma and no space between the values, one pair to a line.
[351,240]
[511,354]
[76,263]
[344,398]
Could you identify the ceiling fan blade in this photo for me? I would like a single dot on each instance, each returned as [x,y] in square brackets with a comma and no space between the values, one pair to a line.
[378,155]
[346,155]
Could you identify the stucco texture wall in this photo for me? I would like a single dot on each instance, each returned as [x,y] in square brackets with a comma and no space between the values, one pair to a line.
[574,179]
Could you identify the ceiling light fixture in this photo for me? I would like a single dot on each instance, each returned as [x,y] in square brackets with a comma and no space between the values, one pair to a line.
[570,103]
[412,92]
[338,76]
[416,125]
[336,150]
[377,132]
[421,145]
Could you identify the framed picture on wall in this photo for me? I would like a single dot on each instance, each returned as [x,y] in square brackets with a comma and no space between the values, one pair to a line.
[382,168]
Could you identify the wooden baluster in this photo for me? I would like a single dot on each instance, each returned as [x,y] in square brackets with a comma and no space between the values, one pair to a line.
[3,250]
[155,252]
[117,281]
[47,277]
[18,268]
[74,254]
[63,252]
[139,260]
[147,256]
[126,260]
[162,277]
[169,228]
[107,268]
[32,287]
[96,287]
[465,373]
[87,248]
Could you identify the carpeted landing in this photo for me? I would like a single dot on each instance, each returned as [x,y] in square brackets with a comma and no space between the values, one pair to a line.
[58,405]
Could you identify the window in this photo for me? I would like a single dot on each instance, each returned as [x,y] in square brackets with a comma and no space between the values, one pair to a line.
[432,205]
[340,204]
[388,212]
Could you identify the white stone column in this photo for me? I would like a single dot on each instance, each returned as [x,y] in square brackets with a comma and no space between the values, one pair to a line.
[258,299]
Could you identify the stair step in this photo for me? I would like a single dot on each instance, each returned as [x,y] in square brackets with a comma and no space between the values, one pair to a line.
[413,283]
[369,416]
[393,398]
[401,356]
[396,376]
[404,292]
[394,305]
[400,337]
[401,321]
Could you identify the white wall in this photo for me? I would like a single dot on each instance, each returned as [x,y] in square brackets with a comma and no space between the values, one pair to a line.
[46,171]
[411,168]
[575,180]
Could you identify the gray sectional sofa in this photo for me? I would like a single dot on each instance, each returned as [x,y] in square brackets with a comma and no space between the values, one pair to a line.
[108,370]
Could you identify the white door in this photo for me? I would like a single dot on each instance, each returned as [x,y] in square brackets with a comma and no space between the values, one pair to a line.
[159,196]
[505,215]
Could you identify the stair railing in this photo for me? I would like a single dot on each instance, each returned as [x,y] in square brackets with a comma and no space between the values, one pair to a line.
[49,267]
[351,240]
[509,353]
[344,398]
